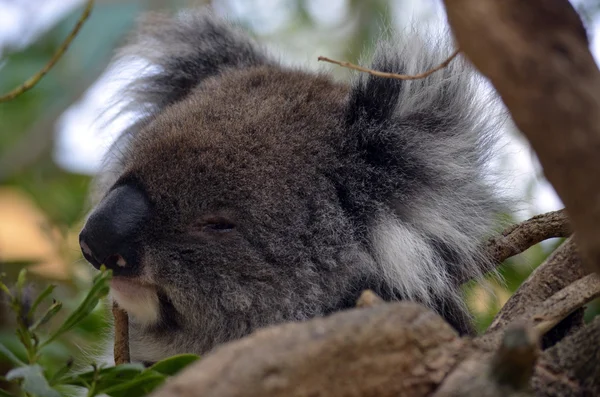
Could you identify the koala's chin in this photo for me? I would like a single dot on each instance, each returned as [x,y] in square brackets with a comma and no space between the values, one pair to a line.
[139,299]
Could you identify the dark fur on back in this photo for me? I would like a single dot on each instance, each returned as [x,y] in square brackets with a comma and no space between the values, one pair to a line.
[332,188]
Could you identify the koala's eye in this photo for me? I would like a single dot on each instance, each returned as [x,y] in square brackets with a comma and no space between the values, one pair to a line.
[217,225]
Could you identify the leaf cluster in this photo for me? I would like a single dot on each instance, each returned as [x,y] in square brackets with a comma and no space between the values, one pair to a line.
[32,378]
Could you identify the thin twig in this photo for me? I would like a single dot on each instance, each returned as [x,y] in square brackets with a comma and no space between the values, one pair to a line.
[392,75]
[566,301]
[121,349]
[562,268]
[32,81]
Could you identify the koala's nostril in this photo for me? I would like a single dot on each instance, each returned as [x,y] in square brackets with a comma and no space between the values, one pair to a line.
[84,248]
[111,234]
[115,260]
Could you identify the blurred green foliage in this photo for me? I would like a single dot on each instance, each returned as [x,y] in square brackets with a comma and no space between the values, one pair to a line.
[27,138]
[33,374]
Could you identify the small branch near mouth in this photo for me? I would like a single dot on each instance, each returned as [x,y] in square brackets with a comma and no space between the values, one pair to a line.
[392,75]
[121,349]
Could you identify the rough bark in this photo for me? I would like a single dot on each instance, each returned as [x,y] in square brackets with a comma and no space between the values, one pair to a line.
[561,268]
[390,349]
[504,373]
[536,55]
[520,237]
[572,367]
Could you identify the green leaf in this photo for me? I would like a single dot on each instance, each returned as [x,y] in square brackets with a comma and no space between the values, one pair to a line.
[105,377]
[10,356]
[6,290]
[98,291]
[140,386]
[170,366]
[62,371]
[21,280]
[34,381]
[47,291]
[51,312]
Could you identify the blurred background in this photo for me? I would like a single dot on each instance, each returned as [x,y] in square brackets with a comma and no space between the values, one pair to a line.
[53,137]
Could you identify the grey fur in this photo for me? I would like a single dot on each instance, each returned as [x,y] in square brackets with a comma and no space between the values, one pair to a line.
[333,188]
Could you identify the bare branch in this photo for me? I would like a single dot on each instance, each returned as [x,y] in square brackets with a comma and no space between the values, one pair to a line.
[565,302]
[32,81]
[392,75]
[518,238]
[560,269]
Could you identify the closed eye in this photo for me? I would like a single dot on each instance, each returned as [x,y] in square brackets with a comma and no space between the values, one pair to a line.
[219,227]
[216,225]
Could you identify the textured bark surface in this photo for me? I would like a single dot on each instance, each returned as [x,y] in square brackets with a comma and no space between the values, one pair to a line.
[571,368]
[520,237]
[561,268]
[537,57]
[385,350]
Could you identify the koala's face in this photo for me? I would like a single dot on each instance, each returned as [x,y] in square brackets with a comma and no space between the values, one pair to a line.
[225,216]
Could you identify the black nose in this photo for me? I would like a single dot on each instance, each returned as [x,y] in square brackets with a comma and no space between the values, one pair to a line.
[111,234]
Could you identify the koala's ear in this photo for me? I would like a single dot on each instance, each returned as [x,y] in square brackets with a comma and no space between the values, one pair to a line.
[437,115]
[182,51]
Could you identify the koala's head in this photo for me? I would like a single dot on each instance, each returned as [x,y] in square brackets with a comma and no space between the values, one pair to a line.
[251,194]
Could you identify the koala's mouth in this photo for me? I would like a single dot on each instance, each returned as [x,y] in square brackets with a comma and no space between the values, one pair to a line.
[137,298]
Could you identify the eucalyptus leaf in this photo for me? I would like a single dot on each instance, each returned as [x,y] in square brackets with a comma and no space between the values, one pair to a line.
[10,356]
[51,312]
[21,281]
[61,373]
[170,366]
[98,291]
[47,291]
[105,377]
[139,386]
[34,381]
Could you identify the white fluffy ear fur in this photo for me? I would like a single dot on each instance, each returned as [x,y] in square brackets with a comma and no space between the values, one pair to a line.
[430,235]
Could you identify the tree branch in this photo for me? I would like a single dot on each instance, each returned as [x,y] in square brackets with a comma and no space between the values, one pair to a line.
[560,269]
[566,301]
[32,81]
[518,238]
[505,372]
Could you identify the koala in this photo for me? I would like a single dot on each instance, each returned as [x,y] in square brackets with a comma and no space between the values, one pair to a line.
[250,193]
